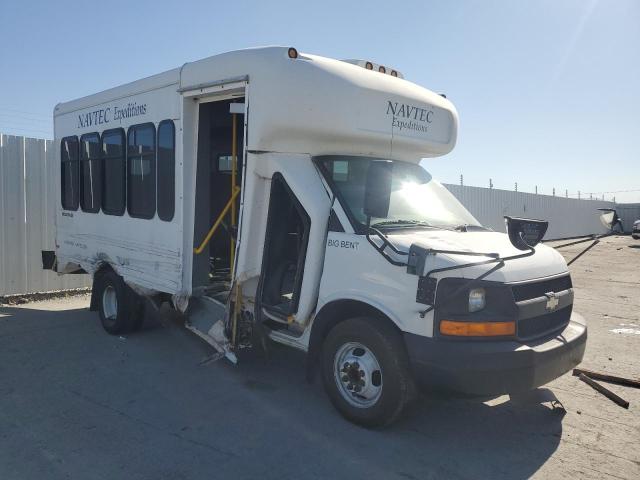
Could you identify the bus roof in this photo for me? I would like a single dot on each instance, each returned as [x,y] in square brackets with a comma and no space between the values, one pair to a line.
[313,104]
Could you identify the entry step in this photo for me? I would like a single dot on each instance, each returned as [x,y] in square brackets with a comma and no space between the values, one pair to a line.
[205,318]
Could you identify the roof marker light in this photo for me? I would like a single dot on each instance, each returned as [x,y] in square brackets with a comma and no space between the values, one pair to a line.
[381,69]
[394,73]
[293,53]
[368,66]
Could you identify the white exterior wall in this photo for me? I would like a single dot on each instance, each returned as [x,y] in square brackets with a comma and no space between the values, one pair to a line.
[146,252]
[28,200]
[567,217]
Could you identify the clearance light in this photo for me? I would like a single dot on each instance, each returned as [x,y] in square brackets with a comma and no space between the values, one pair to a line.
[394,73]
[381,69]
[293,53]
[368,66]
[477,329]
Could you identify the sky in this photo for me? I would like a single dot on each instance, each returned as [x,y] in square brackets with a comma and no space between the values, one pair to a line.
[548,91]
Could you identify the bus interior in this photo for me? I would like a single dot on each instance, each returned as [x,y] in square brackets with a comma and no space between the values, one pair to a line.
[217,181]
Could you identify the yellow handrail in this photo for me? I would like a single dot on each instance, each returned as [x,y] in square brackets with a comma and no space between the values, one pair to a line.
[216,224]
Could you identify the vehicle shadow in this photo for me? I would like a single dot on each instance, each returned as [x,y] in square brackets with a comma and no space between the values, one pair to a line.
[510,439]
[439,436]
[276,424]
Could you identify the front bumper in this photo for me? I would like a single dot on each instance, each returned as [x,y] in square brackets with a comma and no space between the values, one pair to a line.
[495,367]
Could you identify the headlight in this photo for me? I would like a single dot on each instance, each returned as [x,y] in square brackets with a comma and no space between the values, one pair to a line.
[476,299]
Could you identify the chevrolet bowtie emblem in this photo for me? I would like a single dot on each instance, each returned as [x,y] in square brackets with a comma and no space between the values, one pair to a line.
[552,300]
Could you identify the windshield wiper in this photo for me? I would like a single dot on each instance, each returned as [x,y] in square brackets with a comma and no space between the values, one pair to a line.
[465,227]
[402,223]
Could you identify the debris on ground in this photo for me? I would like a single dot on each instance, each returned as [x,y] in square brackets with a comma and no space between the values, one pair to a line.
[604,391]
[627,382]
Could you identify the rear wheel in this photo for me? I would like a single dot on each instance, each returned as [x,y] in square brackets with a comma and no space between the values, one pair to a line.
[366,371]
[118,305]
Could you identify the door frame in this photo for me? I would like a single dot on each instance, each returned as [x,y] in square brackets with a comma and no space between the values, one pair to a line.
[278,179]
[216,91]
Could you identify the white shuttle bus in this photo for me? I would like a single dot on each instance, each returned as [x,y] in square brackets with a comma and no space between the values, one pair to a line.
[271,193]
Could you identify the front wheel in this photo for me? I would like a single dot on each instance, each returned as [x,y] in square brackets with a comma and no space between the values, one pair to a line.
[365,371]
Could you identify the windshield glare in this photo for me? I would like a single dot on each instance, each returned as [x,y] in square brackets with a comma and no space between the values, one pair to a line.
[415,197]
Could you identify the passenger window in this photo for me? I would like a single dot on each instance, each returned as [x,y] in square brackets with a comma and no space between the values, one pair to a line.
[166,170]
[90,173]
[141,171]
[115,174]
[69,173]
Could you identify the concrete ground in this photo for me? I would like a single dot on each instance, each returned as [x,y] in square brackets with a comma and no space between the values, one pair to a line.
[78,403]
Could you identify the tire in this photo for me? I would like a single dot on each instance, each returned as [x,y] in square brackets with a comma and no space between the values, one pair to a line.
[346,367]
[117,304]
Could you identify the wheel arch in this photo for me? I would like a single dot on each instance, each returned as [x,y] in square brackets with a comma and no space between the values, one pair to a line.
[330,315]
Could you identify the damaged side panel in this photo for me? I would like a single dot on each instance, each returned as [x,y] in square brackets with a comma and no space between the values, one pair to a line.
[148,267]
[139,136]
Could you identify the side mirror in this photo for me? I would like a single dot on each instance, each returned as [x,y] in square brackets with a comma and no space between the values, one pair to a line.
[525,233]
[377,193]
[609,217]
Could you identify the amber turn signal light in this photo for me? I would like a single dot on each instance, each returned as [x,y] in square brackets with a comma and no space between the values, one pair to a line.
[477,329]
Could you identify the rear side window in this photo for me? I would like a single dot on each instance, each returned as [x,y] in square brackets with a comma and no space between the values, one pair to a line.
[166,170]
[69,173]
[141,171]
[115,172]
[90,173]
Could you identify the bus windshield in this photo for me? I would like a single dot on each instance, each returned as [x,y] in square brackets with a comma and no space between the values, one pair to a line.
[417,200]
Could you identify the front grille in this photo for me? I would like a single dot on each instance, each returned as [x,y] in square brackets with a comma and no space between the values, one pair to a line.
[533,327]
[525,291]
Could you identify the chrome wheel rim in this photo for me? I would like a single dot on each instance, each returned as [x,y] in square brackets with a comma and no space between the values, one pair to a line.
[109,303]
[357,374]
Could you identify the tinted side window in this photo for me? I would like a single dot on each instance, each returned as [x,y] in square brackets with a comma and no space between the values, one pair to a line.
[90,173]
[69,173]
[115,174]
[166,170]
[141,171]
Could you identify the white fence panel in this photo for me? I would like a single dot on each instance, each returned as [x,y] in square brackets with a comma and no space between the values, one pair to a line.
[629,213]
[567,217]
[28,198]
[14,226]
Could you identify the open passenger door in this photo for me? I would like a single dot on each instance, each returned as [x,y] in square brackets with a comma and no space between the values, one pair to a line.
[284,256]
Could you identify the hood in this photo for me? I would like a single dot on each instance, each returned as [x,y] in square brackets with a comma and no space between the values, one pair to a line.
[544,263]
